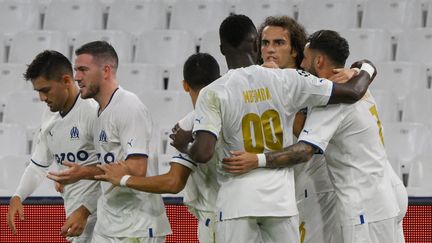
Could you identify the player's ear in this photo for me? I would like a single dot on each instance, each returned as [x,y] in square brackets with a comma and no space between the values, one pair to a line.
[186,86]
[67,79]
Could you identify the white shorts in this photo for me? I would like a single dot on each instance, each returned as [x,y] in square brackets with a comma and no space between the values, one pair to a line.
[317,216]
[97,238]
[87,234]
[206,226]
[372,232]
[258,230]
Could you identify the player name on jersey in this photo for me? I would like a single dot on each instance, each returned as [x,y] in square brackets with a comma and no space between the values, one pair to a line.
[257,95]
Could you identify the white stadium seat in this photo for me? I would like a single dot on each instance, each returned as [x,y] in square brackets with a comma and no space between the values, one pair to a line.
[164,47]
[73,15]
[120,40]
[258,10]
[138,77]
[198,16]
[19,15]
[26,45]
[385,14]
[13,167]
[137,16]
[175,78]
[13,139]
[417,107]
[415,45]
[420,179]
[210,43]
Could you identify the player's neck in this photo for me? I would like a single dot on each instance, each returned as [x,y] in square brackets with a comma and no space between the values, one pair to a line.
[239,61]
[70,101]
[105,94]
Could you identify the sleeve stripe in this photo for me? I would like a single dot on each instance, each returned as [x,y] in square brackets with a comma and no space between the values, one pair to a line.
[43,166]
[207,131]
[318,150]
[183,158]
[137,154]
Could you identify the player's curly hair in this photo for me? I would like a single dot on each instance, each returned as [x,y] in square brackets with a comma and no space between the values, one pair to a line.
[331,44]
[297,34]
[235,28]
[200,69]
[49,64]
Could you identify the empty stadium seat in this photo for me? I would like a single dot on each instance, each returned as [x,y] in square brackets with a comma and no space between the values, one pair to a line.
[167,107]
[73,15]
[175,78]
[120,40]
[258,10]
[400,77]
[164,47]
[420,179]
[24,108]
[415,45]
[19,15]
[198,16]
[138,77]
[26,45]
[371,44]
[137,16]
[417,107]
[3,40]
[385,14]
[13,139]
[388,105]
[328,14]
[13,167]
[210,43]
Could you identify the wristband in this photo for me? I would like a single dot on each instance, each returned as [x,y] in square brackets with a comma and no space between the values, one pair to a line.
[262,160]
[368,68]
[124,179]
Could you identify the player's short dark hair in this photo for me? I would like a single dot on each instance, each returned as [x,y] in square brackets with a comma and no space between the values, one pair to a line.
[49,64]
[200,70]
[331,44]
[235,28]
[100,50]
[297,34]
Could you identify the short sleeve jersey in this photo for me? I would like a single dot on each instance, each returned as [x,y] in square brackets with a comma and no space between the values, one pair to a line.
[253,109]
[351,137]
[70,138]
[123,129]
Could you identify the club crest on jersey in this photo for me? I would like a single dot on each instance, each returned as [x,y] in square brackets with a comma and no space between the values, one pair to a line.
[74,133]
[103,136]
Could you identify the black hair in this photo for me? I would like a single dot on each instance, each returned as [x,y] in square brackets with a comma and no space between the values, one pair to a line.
[331,44]
[100,50]
[49,64]
[200,70]
[235,28]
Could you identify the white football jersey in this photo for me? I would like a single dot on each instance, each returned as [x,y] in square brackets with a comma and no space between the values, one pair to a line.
[351,137]
[202,187]
[70,138]
[253,109]
[122,129]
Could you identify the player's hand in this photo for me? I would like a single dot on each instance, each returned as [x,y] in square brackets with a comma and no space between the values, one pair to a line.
[270,64]
[342,75]
[113,172]
[180,138]
[68,176]
[75,223]
[359,63]
[15,206]
[58,187]
[240,162]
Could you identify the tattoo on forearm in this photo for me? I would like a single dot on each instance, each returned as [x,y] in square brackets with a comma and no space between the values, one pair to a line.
[291,155]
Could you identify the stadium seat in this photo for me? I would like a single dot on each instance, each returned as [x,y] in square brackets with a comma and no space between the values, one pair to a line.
[13,167]
[258,10]
[24,108]
[26,45]
[420,179]
[198,16]
[139,78]
[73,16]
[415,45]
[13,139]
[3,40]
[137,16]
[164,47]
[405,142]
[328,14]
[417,107]
[388,105]
[385,14]
[120,40]
[167,107]
[19,15]
[210,43]
[400,77]
[175,78]
[371,44]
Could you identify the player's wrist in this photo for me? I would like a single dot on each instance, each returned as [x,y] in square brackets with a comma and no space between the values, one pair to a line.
[262,160]
[124,180]
[368,68]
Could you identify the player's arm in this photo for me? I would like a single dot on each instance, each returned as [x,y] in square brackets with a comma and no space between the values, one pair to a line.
[74,173]
[30,180]
[171,182]
[76,222]
[355,88]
